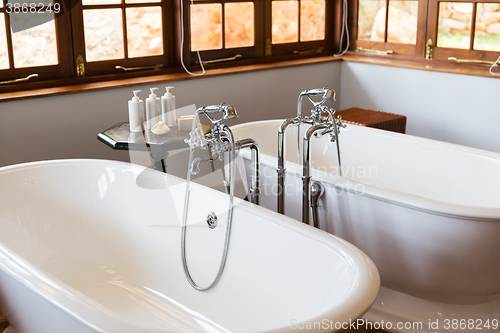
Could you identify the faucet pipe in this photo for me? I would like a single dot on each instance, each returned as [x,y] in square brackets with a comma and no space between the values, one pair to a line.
[306,167]
[255,182]
[281,162]
[317,190]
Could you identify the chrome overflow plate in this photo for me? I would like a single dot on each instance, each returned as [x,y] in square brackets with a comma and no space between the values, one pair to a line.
[212,220]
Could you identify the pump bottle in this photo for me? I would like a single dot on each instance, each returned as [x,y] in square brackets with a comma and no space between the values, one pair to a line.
[168,108]
[152,109]
[136,113]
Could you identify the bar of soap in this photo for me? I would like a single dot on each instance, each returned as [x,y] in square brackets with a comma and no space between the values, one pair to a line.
[160,128]
[185,123]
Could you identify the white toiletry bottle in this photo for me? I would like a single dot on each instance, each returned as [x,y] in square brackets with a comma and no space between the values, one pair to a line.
[136,113]
[168,108]
[152,109]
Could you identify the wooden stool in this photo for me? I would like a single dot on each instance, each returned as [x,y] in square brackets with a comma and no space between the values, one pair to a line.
[376,119]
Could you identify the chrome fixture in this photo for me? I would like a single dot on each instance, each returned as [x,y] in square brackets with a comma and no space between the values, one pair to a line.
[217,143]
[221,145]
[212,220]
[322,122]
[317,189]
[255,181]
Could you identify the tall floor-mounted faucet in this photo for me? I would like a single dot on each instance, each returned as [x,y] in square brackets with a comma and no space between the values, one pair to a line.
[322,122]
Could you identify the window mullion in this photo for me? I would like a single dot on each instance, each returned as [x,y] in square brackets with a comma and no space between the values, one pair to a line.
[124,27]
[386,32]
[473,25]
[223,23]
[298,20]
[10,47]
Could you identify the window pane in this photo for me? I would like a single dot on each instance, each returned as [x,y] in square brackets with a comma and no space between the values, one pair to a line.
[239,24]
[101,2]
[1,3]
[454,25]
[487,35]
[144,32]
[35,46]
[4,56]
[312,20]
[206,27]
[402,26]
[103,34]
[371,20]
[285,21]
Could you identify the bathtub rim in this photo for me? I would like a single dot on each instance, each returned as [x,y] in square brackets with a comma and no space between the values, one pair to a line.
[71,301]
[407,200]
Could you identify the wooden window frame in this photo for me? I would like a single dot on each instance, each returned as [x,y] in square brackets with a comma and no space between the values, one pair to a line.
[263,49]
[102,67]
[399,49]
[427,28]
[63,69]
[303,47]
[442,53]
[249,52]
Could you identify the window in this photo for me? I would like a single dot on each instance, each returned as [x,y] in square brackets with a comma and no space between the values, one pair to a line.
[119,35]
[465,29]
[260,28]
[391,25]
[225,30]
[109,39]
[461,29]
[93,37]
[300,26]
[33,42]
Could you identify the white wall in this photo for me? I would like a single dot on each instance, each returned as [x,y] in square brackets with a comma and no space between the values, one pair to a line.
[67,126]
[448,107]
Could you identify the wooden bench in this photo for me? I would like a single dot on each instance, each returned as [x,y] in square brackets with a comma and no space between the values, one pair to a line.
[376,119]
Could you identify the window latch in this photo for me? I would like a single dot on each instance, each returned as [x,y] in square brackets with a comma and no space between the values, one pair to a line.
[321,49]
[428,49]
[19,80]
[220,60]
[474,61]
[155,67]
[80,66]
[362,49]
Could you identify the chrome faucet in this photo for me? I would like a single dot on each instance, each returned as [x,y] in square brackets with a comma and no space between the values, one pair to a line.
[219,142]
[322,122]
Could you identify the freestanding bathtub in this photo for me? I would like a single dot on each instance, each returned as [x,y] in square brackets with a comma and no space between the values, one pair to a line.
[84,249]
[426,212]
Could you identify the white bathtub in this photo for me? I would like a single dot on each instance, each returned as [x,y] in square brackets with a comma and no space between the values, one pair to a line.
[426,212]
[84,249]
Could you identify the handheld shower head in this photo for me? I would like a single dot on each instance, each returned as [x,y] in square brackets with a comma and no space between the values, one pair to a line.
[229,112]
[328,95]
